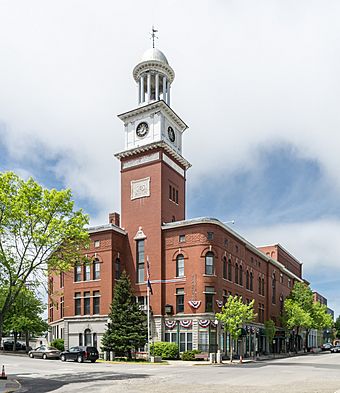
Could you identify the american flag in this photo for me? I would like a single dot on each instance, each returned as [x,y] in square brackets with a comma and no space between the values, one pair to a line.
[148,274]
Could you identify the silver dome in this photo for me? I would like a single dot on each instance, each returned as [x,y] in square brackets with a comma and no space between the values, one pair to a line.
[154,54]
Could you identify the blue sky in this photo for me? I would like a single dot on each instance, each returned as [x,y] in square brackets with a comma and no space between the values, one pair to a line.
[258,85]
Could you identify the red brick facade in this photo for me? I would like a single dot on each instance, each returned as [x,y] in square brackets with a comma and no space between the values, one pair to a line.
[194,264]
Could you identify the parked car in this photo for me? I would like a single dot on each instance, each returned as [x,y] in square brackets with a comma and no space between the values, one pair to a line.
[44,352]
[8,346]
[80,354]
[326,347]
[336,348]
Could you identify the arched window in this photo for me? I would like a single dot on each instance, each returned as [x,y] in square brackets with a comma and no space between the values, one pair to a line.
[180,266]
[260,286]
[263,286]
[247,279]
[273,289]
[96,269]
[229,270]
[251,283]
[240,279]
[209,263]
[87,337]
[224,267]
[236,273]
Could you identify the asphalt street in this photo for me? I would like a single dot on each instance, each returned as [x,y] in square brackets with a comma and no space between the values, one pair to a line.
[317,373]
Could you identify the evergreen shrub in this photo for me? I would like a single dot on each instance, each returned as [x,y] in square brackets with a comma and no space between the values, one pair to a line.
[164,349]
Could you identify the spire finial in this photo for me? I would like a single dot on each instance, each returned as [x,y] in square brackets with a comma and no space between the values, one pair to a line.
[153,35]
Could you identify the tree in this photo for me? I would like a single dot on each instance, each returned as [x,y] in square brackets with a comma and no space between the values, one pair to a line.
[302,312]
[234,315]
[337,327]
[39,230]
[127,329]
[25,316]
[269,327]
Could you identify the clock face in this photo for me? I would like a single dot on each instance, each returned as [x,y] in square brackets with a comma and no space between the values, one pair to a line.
[142,129]
[171,134]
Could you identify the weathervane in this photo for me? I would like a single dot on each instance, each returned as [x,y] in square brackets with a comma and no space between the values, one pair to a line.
[153,36]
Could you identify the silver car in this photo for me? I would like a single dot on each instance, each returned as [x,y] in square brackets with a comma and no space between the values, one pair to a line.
[44,352]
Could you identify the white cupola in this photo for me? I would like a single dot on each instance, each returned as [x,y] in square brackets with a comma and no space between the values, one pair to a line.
[154,77]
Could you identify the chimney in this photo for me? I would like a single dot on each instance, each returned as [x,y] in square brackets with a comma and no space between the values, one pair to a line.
[114,218]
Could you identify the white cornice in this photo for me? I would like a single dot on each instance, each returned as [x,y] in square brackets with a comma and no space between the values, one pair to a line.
[153,65]
[106,227]
[151,146]
[152,107]
[251,247]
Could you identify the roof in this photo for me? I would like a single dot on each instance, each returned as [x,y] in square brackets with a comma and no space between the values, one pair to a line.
[247,244]
[106,227]
[154,54]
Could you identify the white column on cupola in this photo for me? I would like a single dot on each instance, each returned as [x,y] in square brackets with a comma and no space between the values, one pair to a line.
[164,88]
[157,87]
[139,92]
[168,95]
[142,92]
[149,86]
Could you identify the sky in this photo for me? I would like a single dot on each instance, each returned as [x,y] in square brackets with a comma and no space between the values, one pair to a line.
[258,83]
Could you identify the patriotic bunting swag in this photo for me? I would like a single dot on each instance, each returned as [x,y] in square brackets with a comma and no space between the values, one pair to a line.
[219,303]
[170,324]
[194,303]
[186,323]
[204,323]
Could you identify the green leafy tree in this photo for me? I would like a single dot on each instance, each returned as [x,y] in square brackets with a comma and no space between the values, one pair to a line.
[39,231]
[302,312]
[127,329]
[337,327]
[58,343]
[234,315]
[25,316]
[269,328]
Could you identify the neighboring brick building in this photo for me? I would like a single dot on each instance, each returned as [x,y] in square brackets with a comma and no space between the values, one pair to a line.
[194,264]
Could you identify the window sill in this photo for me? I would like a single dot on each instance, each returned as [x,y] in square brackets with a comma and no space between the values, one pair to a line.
[184,277]
[226,279]
[209,275]
[78,282]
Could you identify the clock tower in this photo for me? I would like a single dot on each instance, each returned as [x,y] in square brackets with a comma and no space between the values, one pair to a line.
[153,170]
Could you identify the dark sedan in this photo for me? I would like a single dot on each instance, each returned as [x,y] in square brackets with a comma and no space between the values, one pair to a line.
[44,352]
[336,348]
[326,347]
[80,354]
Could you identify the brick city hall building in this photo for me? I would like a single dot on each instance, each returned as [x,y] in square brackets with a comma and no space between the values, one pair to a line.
[195,264]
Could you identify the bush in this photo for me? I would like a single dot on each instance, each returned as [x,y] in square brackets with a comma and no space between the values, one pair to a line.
[58,343]
[190,355]
[164,349]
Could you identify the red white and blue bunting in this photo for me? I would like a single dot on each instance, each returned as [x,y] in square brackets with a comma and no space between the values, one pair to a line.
[194,303]
[170,324]
[186,323]
[219,303]
[204,323]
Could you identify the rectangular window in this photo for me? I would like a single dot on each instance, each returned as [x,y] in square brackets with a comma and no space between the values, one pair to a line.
[87,303]
[225,296]
[209,299]
[80,339]
[96,302]
[51,312]
[176,196]
[77,273]
[180,266]
[229,270]
[97,243]
[87,272]
[224,267]
[179,300]
[181,238]
[77,303]
[210,235]
[203,341]
[62,307]
[173,194]
[117,269]
[185,341]
[170,192]
[96,270]
[140,261]
[171,337]
[61,278]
